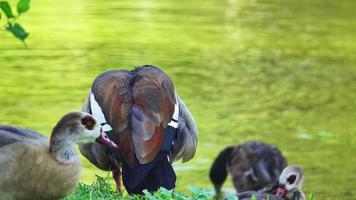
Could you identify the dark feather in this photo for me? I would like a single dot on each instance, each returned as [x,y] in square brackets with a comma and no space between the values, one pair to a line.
[253,166]
[218,170]
[248,160]
[154,98]
[11,134]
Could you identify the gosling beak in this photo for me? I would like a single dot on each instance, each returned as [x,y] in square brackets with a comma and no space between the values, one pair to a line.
[281,191]
[105,140]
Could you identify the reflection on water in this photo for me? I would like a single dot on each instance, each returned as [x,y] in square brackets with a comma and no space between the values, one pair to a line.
[272,70]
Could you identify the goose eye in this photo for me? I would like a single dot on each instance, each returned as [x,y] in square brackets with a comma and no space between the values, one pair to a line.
[291,179]
[88,122]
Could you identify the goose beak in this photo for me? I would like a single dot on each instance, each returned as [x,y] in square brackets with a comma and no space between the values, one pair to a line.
[281,191]
[105,140]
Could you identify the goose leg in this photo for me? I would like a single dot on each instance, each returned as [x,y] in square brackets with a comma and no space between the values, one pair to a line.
[116,174]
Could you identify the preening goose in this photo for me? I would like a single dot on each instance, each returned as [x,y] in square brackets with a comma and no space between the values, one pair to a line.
[33,167]
[252,165]
[290,184]
[141,111]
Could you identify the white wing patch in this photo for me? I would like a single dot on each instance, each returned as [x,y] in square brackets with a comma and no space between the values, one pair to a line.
[174,122]
[98,113]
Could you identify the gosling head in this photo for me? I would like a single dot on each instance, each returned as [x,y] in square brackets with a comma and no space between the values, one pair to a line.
[80,128]
[290,181]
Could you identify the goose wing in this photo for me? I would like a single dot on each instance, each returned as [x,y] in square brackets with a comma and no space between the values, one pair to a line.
[154,99]
[110,102]
[186,142]
[137,105]
[12,134]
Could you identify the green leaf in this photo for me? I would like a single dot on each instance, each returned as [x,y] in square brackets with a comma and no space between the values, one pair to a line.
[165,193]
[149,195]
[253,197]
[180,196]
[6,8]
[17,31]
[200,193]
[201,197]
[232,197]
[310,197]
[23,6]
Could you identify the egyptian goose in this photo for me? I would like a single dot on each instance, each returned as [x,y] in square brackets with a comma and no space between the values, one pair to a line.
[33,167]
[290,184]
[253,166]
[141,111]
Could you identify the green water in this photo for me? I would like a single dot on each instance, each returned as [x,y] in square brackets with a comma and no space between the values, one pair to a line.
[281,71]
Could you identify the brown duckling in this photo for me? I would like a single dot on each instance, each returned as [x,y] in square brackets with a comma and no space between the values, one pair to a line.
[290,184]
[253,165]
[33,167]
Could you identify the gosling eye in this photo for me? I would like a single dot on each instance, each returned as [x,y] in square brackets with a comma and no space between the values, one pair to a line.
[291,179]
[88,122]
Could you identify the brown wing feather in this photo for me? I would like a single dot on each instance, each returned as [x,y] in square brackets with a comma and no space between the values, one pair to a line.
[112,91]
[138,105]
[154,98]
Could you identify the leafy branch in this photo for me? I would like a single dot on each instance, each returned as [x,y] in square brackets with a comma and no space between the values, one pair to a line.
[11,25]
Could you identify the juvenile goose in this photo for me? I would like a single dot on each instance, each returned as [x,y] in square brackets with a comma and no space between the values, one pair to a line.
[253,166]
[33,167]
[141,111]
[290,184]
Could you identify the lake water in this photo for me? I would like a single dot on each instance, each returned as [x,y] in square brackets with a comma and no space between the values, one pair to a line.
[280,71]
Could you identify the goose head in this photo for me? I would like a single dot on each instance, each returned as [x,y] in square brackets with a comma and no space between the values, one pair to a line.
[80,128]
[290,181]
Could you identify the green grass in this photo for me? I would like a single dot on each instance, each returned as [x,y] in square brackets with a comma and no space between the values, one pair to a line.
[102,189]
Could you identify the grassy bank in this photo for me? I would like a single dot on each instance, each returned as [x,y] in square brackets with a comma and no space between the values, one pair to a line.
[102,189]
